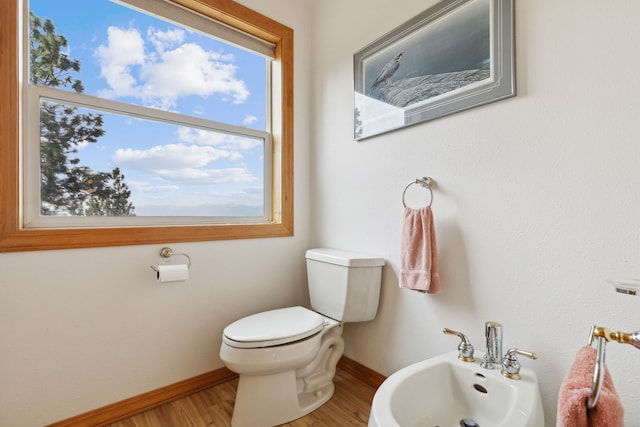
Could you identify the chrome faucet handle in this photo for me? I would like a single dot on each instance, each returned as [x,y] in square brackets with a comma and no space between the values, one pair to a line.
[465,349]
[510,364]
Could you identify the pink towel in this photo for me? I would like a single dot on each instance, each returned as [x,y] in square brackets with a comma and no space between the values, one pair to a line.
[418,253]
[575,391]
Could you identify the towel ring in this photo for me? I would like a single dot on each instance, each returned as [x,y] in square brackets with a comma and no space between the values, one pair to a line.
[604,335]
[598,372]
[425,182]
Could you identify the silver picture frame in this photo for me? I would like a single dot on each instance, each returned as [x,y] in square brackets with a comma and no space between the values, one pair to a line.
[456,55]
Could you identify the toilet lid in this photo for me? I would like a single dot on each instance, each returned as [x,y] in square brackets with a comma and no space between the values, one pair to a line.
[273,327]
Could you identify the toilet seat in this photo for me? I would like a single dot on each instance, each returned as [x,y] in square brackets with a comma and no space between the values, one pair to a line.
[274,327]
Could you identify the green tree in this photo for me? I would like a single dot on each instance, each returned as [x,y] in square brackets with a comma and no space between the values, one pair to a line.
[110,194]
[64,188]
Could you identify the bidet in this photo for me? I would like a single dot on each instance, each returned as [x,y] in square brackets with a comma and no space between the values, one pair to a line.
[446,391]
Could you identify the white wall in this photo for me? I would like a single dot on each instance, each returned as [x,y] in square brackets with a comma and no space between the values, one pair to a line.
[536,201]
[536,205]
[80,329]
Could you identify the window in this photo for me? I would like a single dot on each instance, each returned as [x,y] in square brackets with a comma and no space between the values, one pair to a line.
[172,126]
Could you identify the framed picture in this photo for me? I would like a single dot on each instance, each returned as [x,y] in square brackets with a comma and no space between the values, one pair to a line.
[455,55]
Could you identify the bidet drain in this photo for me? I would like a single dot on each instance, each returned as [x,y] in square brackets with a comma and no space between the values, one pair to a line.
[479,388]
[466,422]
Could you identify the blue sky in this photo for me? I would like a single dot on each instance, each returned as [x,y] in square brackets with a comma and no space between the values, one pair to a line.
[171,170]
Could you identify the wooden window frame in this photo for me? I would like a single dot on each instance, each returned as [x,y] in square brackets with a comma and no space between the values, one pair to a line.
[13,237]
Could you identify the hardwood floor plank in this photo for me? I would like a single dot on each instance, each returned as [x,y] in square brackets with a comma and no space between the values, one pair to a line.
[349,406]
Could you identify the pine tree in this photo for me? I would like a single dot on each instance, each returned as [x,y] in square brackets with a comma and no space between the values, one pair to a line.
[110,195]
[66,186]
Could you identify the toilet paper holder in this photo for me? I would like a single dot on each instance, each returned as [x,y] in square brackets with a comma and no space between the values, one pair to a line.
[167,252]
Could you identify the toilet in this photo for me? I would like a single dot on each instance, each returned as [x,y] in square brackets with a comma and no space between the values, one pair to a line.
[286,358]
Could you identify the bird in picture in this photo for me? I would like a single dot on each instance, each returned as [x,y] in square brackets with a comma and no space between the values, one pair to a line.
[388,70]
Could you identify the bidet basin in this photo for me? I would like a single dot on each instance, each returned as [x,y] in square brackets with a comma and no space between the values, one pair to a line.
[446,392]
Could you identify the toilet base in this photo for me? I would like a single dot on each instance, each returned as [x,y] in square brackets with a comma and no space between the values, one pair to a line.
[277,398]
[282,405]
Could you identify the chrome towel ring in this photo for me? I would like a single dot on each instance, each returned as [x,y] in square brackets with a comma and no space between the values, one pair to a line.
[604,335]
[425,182]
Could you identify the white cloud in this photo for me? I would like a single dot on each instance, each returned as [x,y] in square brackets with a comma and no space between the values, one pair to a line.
[182,163]
[218,139]
[163,39]
[124,51]
[249,120]
[211,176]
[145,187]
[170,156]
[165,68]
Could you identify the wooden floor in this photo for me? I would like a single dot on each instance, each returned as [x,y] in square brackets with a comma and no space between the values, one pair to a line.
[349,406]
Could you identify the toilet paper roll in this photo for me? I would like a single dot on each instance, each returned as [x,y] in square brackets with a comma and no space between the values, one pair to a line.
[173,273]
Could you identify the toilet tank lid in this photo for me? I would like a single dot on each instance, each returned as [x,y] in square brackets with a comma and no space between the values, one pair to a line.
[344,258]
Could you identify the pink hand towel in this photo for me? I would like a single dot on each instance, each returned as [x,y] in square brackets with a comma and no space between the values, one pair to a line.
[418,252]
[575,391]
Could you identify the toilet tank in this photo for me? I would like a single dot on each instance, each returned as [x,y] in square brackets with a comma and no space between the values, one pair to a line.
[343,285]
